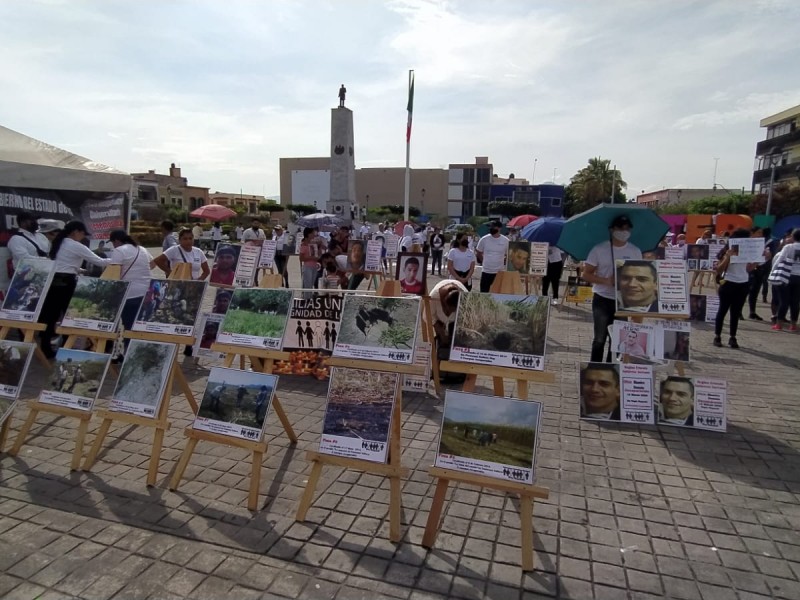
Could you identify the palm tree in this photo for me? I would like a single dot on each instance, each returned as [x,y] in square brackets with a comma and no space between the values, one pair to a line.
[592,185]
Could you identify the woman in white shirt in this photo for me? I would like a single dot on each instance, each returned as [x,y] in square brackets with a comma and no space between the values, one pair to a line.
[733,290]
[184,252]
[461,263]
[136,263]
[69,255]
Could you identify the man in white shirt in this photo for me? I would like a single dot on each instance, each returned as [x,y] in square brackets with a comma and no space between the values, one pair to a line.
[364,231]
[197,233]
[255,235]
[491,252]
[27,241]
[239,232]
[599,270]
[216,235]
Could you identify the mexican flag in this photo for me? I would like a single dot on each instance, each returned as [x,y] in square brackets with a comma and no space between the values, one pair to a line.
[410,107]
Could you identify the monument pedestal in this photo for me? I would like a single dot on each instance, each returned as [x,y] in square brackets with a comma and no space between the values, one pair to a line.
[343,165]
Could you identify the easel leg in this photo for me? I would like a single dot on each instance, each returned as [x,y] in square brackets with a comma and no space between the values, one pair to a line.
[469,383]
[155,457]
[498,386]
[70,342]
[679,368]
[182,463]
[4,432]
[522,389]
[99,438]
[228,360]
[308,494]
[187,391]
[526,524]
[241,362]
[255,480]
[278,408]
[395,509]
[23,433]
[434,517]
[83,427]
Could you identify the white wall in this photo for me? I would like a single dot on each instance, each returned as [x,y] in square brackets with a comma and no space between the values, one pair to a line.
[311,187]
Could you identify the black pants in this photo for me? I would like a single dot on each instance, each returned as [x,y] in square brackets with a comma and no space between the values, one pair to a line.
[55,305]
[436,259]
[467,285]
[280,265]
[487,279]
[603,310]
[553,277]
[732,297]
[757,277]
[789,299]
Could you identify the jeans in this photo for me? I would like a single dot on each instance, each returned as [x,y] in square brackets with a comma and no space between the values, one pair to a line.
[789,299]
[553,277]
[732,297]
[603,310]
[436,259]
[487,279]
[309,277]
[757,278]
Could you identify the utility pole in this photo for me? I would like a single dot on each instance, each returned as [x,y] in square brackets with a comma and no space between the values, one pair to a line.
[716,162]
[533,179]
[613,182]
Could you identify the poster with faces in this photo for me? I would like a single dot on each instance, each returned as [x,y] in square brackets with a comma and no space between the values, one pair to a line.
[539,252]
[647,286]
[698,402]
[747,250]
[637,394]
[635,341]
[372,263]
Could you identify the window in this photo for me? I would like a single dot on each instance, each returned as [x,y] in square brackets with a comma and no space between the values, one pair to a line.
[781,129]
[163,200]
[555,202]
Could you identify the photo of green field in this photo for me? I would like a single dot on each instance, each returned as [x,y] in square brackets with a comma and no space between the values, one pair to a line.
[491,429]
[502,323]
[258,312]
[97,299]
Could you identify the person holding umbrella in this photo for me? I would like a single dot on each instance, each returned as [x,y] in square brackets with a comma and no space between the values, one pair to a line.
[599,269]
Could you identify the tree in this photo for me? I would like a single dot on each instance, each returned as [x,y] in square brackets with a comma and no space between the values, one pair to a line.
[785,202]
[592,185]
[513,209]
[725,203]
[302,209]
[476,221]
[397,209]
[270,206]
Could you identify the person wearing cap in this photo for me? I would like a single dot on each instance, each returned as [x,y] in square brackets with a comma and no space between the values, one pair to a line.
[69,255]
[27,241]
[491,251]
[50,228]
[281,260]
[599,269]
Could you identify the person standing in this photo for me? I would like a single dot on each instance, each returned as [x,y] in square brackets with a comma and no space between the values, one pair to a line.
[555,267]
[437,250]
[599,270]
[732,290]
[281,259]
[216,235]
[758,275]
[309,261]
[136,263]
[789,294]
[461,263]
[69,254]
[27,241]
[255,235]
[197,232]
[184,252]
[491,252]
[168,232]
[239,232]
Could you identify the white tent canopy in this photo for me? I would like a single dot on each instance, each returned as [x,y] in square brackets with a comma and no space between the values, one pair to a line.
[29,163]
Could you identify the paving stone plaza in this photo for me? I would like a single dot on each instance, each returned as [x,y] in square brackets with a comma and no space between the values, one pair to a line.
[635,511]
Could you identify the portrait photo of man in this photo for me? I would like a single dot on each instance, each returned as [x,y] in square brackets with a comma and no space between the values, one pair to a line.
[637,286]
[676,402]
[519,257]
[600,391]
[411,272]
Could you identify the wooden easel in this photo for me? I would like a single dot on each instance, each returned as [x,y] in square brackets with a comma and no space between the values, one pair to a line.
[161,422]
[98,339]
[264,360]
[28,333]
[393,468]
[526,492]
[4,432]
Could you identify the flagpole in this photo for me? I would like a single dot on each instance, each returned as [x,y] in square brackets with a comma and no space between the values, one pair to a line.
[408,144]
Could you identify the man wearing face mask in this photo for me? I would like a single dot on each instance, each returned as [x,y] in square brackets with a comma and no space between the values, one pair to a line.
[599,270]
[492,250]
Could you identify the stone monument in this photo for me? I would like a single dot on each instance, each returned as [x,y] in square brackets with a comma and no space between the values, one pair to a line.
[343,166]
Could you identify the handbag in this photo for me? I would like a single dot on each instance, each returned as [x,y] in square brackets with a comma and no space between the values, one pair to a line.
[780,273]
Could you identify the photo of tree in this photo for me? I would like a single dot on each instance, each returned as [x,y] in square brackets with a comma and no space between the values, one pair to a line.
[172,302]
[258,312]
[378,322]
[96,299]
[15,358]
[28,288]
[144,373]
[502,323]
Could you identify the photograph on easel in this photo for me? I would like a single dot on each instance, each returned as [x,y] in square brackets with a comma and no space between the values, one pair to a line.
[208,326]
[358,415]
[504,330]
[15,358]
[698,402]
[519,257]
[674,339]
[142,378]
[223,270]
[616,392]
[236,403]
[27,290]
[75,379]
[378,328]
[170,306]
[412,272]
[256,318]
[489,435]
[636,342]
[652,286]
[96,304]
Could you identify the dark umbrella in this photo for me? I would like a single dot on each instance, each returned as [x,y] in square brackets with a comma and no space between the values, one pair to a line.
[544,230]
[584,231]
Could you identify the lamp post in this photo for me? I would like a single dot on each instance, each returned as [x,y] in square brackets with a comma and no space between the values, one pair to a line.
[533,179]
[422,202]
[773,162]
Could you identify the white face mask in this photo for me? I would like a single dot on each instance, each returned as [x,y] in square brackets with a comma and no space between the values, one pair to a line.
[621,235]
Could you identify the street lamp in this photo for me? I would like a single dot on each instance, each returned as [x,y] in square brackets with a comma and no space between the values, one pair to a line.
[422,202]
[773,162]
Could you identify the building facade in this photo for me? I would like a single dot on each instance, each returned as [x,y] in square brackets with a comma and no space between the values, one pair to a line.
[469,188]
[153,189]
[547,197]
[778,156]
[665,197]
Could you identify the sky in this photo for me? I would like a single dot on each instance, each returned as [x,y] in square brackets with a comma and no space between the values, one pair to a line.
[463,407]
[668,91]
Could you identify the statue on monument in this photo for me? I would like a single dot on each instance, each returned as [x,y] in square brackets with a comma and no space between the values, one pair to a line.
[342,92]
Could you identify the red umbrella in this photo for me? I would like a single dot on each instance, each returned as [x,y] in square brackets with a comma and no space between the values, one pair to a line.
[213,212]
[521,221]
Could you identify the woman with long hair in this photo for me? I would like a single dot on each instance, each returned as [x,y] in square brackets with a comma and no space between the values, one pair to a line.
[69,255]
[733,289]
[136,263]
[461,263]
[184,252]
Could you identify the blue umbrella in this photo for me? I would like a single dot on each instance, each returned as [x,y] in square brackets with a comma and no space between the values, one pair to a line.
[547,230]
[584,231]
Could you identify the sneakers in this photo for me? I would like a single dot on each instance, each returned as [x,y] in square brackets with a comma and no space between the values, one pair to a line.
[776,327]
[717,341]
[755,317]
[792,327]
[732,343]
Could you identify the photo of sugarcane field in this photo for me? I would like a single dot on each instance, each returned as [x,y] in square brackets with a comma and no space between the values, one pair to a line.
[28,286]
[15,357]
[96,299]
[237,397]
[502,323]
[78,372]
[258,312]
[489,428]
[378,322]
[360,404]
[172,302]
